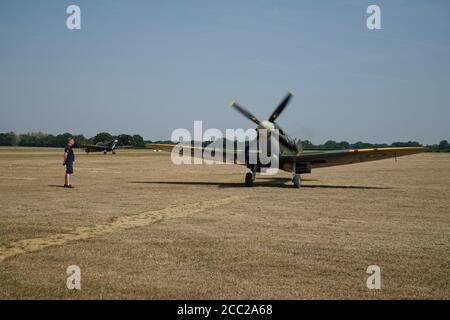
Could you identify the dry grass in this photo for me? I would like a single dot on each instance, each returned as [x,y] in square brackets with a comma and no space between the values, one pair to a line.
[140,227]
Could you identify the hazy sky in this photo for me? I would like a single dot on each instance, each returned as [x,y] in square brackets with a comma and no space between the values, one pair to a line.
[149,67]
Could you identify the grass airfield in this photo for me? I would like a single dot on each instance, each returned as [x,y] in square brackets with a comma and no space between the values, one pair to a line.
[141,228]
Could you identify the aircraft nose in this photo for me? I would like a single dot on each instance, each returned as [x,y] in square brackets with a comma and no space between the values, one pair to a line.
[266,125]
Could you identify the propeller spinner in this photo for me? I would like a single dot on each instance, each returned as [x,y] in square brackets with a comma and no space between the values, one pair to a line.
[270,123]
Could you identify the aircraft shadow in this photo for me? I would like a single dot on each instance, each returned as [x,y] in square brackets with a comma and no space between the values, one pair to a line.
[326,186]
[278,182]
[280,179]
[217,184]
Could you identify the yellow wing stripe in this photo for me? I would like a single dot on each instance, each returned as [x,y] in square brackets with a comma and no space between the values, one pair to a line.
[386,149]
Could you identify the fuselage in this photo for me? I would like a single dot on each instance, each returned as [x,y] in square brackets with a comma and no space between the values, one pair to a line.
[268,127]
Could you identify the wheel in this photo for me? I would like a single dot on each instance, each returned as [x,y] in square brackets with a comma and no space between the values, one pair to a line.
[296,181]
[104,152]
[113,152]
[248,179]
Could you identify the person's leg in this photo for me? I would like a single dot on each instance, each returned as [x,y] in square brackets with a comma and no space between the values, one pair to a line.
[69,171]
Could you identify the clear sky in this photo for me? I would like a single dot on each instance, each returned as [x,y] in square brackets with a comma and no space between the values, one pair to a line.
[150,67]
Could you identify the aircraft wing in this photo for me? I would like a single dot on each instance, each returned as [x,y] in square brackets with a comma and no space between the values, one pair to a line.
[169,147]
[92,148]
[163,146]
[199,151]
[321,159]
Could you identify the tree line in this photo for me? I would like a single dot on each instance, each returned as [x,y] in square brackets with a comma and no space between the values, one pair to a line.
[443,146]
[39,139]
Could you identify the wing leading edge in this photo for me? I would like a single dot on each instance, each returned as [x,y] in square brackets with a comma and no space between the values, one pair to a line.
[321,159]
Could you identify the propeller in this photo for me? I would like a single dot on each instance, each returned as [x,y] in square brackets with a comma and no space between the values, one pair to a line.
[262,125]
[279,128]
[275,114]
[245,112]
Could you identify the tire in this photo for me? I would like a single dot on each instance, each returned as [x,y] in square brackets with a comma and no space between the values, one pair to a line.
[248,179]
[296,181]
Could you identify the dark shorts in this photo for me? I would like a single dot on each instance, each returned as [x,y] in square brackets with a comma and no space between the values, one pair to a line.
[69,167]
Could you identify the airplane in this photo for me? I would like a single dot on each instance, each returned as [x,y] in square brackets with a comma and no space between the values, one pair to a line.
[292,157]
[105,147]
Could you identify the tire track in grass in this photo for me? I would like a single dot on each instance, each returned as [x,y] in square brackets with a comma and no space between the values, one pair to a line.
[20,247]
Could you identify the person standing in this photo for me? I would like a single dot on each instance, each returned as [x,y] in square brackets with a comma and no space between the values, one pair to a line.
[69,158]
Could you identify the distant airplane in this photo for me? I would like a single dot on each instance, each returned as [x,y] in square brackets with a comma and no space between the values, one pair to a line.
[292,158]
[105,147]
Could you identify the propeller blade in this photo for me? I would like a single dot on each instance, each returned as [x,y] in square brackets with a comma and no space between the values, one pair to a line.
[280,107]
[246,113]
[287,144]
[279,128]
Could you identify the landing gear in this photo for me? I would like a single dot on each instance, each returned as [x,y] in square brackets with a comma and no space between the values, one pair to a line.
[105,152]
[248,179]
[295,175]
[296,180]
[113,152]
